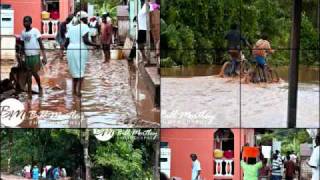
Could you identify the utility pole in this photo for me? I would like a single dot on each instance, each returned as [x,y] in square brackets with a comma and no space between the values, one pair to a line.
[294,64]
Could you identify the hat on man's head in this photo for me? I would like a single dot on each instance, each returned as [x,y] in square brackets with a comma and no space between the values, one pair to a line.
[82,14]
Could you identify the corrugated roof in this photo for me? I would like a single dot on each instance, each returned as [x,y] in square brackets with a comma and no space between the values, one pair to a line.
[122,11]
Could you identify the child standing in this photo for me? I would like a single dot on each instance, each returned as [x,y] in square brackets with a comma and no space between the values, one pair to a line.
[32,43]
[106,37]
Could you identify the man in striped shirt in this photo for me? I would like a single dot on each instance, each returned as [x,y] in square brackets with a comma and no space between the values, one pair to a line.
[276,167]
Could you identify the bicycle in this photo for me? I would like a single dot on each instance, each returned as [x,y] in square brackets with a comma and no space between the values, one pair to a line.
[263,74]
[242,67]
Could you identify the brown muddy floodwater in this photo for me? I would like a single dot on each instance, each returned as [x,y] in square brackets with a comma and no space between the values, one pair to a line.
[107,97]
[196,97]
[306,74]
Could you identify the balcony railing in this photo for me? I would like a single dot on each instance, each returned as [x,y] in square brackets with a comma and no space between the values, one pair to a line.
[50,28]
[223,168]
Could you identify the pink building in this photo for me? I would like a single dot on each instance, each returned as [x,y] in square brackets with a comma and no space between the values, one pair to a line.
[203,142]
[34,8]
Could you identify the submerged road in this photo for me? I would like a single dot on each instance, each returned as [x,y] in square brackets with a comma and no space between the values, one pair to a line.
[107,96]
[213,102]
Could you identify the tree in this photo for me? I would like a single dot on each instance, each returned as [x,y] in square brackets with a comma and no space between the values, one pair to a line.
[87,160]
[123,157]
[193,31]
[290,139]
[58,147]
[106,6]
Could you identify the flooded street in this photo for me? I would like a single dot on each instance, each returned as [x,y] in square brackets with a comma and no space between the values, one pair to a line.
[199,102]
[210,101]
[107,96]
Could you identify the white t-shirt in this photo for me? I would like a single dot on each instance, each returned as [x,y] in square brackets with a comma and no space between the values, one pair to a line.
[142,18]
[315,161]
[195,168]
[27,168]
[31,44]
[293,157]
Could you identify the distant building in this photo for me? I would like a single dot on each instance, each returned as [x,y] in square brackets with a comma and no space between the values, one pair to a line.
[182,142]
[60,9]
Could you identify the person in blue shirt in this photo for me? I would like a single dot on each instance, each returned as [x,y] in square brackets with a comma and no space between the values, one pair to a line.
[56,173]
[35,173]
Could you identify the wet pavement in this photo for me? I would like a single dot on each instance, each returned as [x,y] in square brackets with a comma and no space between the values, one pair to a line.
[213,102]
[107,96]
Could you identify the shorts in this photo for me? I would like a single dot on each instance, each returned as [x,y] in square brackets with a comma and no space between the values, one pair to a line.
[33,63]
[142,36]
[261,60]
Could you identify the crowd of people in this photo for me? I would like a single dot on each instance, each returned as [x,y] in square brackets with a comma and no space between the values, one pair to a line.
[75,34]
[281,167]
[278,167]
[48,172]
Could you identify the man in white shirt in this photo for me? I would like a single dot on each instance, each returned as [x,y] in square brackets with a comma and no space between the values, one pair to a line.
[196,168]
[32,44]
[314,161]
[293,157]
[142,30]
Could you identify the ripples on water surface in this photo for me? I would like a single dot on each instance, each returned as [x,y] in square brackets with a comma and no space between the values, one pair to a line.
[107,96]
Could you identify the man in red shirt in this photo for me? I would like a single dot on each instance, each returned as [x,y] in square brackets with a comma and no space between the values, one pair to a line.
[290,167]
[106,37]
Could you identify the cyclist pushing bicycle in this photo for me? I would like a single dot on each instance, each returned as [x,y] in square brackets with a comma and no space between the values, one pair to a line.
[260,51]
[234,40]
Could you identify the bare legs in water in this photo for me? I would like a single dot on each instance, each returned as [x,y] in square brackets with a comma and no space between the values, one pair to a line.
[77,86]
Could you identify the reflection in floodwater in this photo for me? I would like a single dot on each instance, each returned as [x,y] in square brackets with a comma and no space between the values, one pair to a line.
[107,99]
[106,96]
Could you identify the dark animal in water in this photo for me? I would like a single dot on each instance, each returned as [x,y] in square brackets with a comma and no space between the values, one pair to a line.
[21,77]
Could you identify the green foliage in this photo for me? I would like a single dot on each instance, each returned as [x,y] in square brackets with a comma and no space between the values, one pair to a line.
[122,157]
[179,40]
[201,25]
[43,147]
[102,6]
[125,156]
[167,62]
[290,139]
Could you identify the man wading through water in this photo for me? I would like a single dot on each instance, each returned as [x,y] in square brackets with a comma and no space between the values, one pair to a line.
[31,45]
[106,37]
